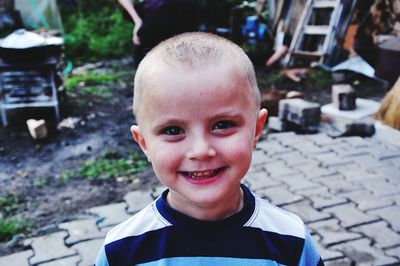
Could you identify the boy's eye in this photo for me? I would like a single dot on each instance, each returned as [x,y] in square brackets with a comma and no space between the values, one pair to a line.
[221,125]
[172,131]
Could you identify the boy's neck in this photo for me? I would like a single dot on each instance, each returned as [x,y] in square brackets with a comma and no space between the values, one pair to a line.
[209,213]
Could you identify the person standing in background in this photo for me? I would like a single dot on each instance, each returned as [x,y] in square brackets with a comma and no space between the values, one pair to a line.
[157,20]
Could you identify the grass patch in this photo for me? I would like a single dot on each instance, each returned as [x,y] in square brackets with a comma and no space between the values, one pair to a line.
[92,83]
[11,225]
[9,204]
[110,166]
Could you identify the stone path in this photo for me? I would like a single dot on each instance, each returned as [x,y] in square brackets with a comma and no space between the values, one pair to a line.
[347,190]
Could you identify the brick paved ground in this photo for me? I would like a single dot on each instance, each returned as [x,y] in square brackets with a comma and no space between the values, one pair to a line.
[346,190]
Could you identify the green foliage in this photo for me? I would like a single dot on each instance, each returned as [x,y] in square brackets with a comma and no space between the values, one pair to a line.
[96,30]
[9,204]
[9,226]
[110,166]
[12,226]
[320,78]
[92,83]
[107,168]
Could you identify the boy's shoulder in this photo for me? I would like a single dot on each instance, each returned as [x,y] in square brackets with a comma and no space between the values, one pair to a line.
[148,219]
[271,218]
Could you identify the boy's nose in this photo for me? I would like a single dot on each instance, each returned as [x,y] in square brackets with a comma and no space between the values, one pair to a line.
[200,150]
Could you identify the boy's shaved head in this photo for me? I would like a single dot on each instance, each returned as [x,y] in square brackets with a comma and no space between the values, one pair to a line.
[197,50]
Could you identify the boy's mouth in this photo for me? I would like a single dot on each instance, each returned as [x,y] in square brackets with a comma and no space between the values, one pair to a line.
[203,174]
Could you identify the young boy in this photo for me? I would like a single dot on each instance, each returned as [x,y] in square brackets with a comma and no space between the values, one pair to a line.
[197,107]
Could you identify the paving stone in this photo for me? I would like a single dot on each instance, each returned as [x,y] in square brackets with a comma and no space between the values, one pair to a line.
[321,198]
[17,259]
[344,149]
[337,184]
[380,187]
[343,168]
[367,161]
[322,139]
[286,138]
[259,180]
[293,158]
[326,254]
[259,157]
[49,247]
[80,230]
[359,174]
[62,262]
[330,159]
[307,213]
[88,251]
[357,142]
[273,148]
[314,170]
[389,172]
[389,214]
[382,235]
[113,213]
[157,191]
[365,201]
[298,182]
[332,233]
[279,169]
[394,252]
[137,200]
[308,148]
[350,216]
[339,262]
[362,253]
[279,195]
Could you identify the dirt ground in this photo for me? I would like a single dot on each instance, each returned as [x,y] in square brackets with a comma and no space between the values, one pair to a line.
[29,169]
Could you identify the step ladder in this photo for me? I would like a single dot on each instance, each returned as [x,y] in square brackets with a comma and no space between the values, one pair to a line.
[313,38]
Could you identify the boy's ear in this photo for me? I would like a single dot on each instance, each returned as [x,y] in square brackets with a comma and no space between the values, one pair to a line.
[139,138]
[262,117]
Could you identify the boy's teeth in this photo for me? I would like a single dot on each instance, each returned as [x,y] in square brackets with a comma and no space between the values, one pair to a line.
[202,174]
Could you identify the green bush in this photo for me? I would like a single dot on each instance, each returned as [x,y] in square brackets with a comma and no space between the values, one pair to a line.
[96,30]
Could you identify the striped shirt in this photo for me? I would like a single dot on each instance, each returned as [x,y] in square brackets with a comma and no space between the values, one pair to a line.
[260,234]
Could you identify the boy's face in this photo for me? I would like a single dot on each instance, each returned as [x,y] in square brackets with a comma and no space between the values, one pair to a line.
[198,128]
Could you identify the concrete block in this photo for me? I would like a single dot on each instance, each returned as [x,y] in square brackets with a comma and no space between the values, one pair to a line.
[37,128]
[343,97]
[330,159]
[380,187]
[279,195]
[273,148]
[337,184]
[113,213]
[137,200]
[306,212]
[80,230]
[350,216]
[389,214]
[17,259]
[321,197]
[361,253]
[259,157]
[332,233]
[49,247]
[315,170]
[259,180]
[293,158]
[394,252]
[365,201]
[63,261]
[279,170]
[380,233]
[298,182]
[88,251]
[157,191]
[325,253]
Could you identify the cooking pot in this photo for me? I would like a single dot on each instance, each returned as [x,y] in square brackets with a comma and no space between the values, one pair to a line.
[26,47]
